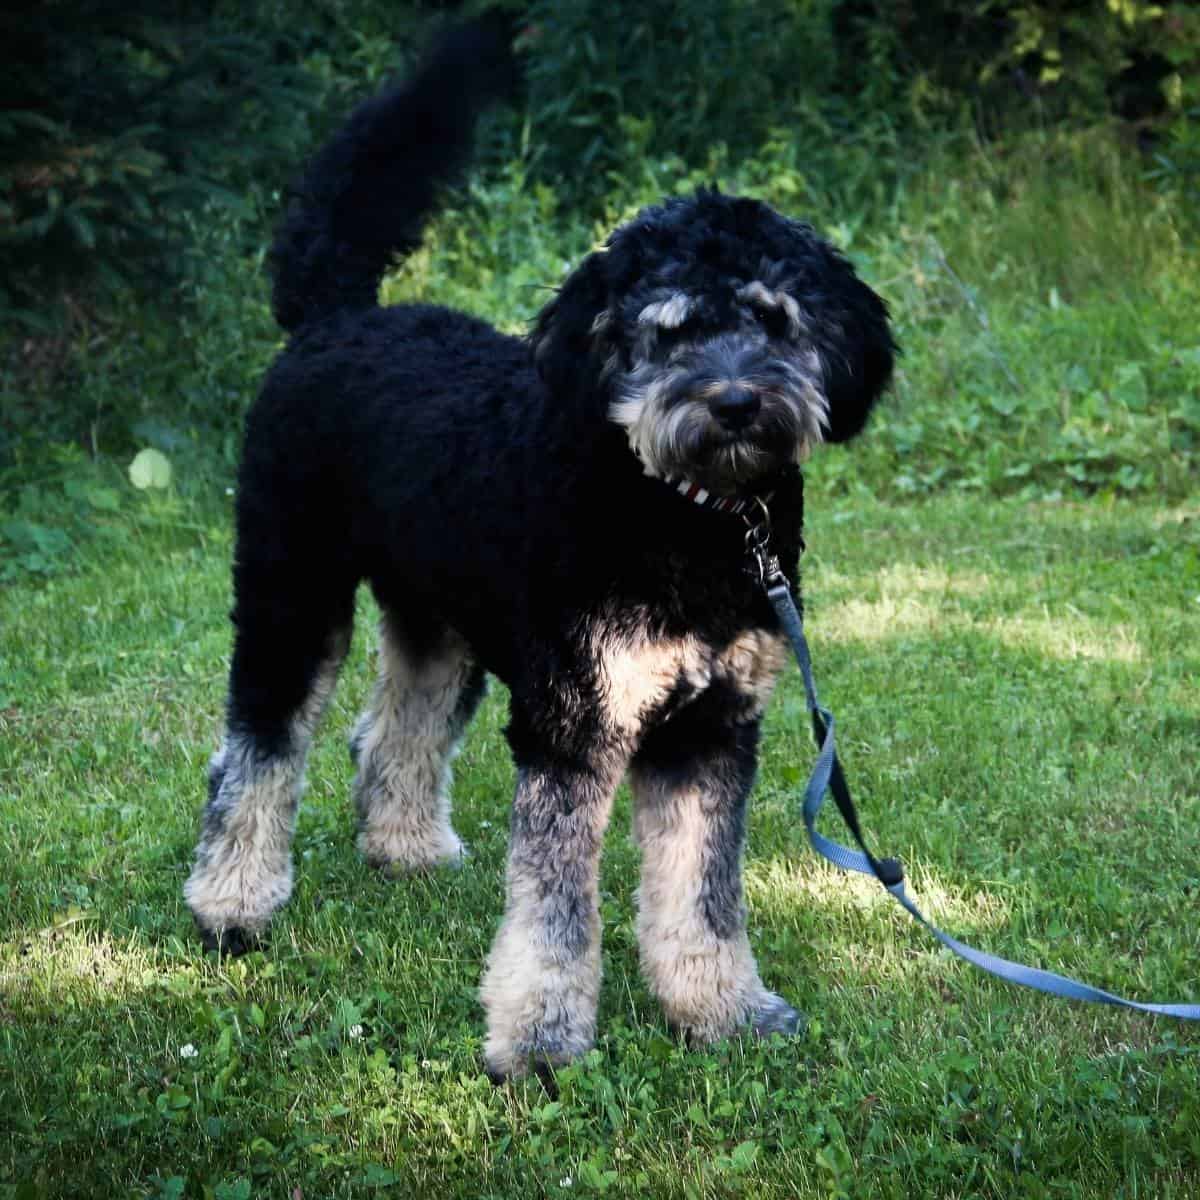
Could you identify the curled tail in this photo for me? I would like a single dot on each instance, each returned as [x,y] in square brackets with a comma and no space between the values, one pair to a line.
[366,196]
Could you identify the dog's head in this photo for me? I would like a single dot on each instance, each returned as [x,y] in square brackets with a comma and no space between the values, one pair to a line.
[724,338]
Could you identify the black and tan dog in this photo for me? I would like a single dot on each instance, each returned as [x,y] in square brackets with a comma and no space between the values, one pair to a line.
[527,507]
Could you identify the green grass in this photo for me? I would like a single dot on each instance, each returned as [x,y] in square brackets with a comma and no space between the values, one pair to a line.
[1016,688]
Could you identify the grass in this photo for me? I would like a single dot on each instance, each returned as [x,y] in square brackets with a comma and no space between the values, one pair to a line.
[1015,684]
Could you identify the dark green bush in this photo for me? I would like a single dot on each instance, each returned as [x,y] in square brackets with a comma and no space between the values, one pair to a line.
[117,120]
[1016,61]
[611,81]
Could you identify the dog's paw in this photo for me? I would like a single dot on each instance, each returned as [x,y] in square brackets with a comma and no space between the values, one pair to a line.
[233,903]
[762,1013]
[540,1017]
[775,1015]
[540,1067]
[539,1053]
[395,852]
[231,942]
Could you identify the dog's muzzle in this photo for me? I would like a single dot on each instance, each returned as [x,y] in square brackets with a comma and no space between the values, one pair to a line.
[722,413]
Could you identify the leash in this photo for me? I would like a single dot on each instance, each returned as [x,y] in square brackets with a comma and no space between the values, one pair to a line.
[828,776]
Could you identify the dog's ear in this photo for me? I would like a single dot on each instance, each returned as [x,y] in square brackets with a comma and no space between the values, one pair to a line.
[857,356]
[568,339]
[845,320]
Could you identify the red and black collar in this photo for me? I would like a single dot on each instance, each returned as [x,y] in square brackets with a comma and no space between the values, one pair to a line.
[735,506]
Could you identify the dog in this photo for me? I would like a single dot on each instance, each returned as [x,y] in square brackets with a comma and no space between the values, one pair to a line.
[565,511]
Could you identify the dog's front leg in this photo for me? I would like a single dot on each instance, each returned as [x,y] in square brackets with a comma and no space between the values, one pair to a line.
[691,781]
[543,976]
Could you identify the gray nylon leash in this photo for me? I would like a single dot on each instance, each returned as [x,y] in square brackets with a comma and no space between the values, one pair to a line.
[827,776]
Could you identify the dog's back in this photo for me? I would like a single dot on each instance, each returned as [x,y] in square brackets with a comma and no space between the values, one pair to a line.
[364,199]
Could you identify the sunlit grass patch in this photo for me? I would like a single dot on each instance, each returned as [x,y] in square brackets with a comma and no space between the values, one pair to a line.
[1063,633]
[778,884]
[1071,635]
[866,620]
[74,961]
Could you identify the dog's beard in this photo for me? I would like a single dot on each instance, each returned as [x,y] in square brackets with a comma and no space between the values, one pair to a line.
[671,427]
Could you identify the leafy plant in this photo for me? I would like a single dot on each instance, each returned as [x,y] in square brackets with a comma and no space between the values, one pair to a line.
[614,81]
[1017,63]
[117,121]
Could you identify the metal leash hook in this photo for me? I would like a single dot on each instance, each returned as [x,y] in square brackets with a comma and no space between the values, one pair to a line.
[767,571]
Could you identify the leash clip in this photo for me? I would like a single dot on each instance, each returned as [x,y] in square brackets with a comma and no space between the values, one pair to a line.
[764,565]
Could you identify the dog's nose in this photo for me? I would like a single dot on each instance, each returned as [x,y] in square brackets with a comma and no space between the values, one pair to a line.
[736,407]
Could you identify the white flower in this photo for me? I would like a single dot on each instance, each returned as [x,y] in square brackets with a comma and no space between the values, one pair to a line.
[565,1181]
[188,1051]
[355,1032]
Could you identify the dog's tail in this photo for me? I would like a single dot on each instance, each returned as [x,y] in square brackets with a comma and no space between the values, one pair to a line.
[366,196]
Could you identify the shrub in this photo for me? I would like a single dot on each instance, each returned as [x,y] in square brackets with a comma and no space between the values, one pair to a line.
[1015,61]
[613,81]
[119,120]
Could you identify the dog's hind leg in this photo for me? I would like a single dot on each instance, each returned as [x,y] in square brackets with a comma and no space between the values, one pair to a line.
[690,783]
[427,691]
[288,649]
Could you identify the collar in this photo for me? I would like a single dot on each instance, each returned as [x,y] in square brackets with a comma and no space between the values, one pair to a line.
[735,506]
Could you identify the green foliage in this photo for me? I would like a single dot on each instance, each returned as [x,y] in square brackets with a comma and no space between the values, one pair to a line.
[1176,163]
[70,509]
[1015,62]
[614,81]
[174,377]
[1044,299]
[119,122]
[42,522]
[112,128]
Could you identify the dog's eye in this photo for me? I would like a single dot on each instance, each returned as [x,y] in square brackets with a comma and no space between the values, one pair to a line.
[686,331]
[772,318]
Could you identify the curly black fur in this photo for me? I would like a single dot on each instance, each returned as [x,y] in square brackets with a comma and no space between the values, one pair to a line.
[366,195]
[503,499]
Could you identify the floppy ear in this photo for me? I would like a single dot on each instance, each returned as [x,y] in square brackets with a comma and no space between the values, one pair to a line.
[569,339]
[857,353]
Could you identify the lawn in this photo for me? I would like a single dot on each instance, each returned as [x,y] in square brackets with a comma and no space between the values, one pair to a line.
[1016,685]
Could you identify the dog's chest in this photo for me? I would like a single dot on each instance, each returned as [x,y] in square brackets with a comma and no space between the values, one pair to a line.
[645,680]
